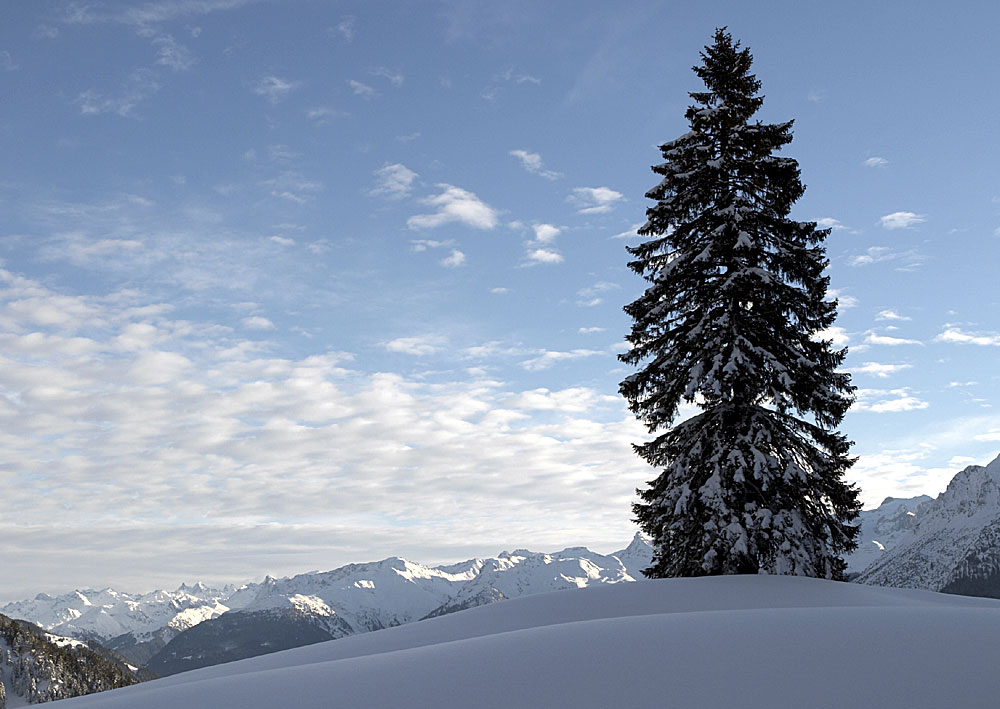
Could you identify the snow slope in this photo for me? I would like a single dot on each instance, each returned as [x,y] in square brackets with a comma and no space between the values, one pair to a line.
[747,641]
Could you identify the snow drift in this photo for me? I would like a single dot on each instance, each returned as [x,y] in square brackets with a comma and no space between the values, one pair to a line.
[748,641]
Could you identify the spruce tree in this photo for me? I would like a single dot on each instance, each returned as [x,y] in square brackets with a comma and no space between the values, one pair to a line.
[732,322]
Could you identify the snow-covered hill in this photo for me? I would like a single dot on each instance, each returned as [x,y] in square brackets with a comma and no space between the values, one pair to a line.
[954,543]
[746,641]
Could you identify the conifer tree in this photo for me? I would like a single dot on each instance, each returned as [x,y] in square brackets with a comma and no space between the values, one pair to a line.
[732,322]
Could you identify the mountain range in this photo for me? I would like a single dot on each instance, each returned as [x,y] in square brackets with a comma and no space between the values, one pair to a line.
[197,626]
[950,543]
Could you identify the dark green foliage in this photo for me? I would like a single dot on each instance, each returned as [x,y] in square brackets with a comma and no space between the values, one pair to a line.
[732,322]
[41,671]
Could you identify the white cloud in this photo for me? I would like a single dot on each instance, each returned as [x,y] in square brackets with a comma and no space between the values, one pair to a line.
[419,245]
[292,187]
[901,220]
[885,401]
[890,315]
[876,339]
[830,223]
[632,233]
[323,114]
[545,233]
[7,62]
[455,259]
[499,290]
[393,77]
[907,260]
[363,90]
[836,334]
[420,346]
[991,435]
[956,335]
[590,330]
[593,295]
[844,301]
[594,200]
[532,162]
[876,162]
[394,181]
[455,205]
[347,27]
[256,322]
[172,54]
[544,256]
[880,370]
[282,240]
[548,358]
[274,88]
[140,85]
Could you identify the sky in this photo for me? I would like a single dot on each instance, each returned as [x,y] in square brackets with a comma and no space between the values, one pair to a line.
[287,285]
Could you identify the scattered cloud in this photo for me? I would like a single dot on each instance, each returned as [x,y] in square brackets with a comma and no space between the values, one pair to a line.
[420,245]
[395,181]
[545,233]
[548,358]
[844,301]
[409,137]
[419,346]
[45,32]
[508,76]
[7,62]
[816,95]
[593,295]
[891,315]
[880,370]
[836,334]
[991,435]
[454,204]
[632,233]
[140,85]
[887,401]
[594,200]
[901,220]
[830,223]
[145,14]
[275,89]
[956,335]
[876,339]
[500,290]
[590,330]
[393,77]
[347,27]
[455,259]
[906,260]
[172,54]
[363,90]
[875,161]
[544,256]
[292,187]
[532,162]
[322,115]
[282,240]
[256,322]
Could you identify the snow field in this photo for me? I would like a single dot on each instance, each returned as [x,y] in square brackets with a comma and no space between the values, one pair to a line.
[737,641]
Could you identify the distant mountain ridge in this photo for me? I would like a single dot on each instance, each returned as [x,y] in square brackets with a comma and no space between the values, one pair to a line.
[953,544]
[195,626]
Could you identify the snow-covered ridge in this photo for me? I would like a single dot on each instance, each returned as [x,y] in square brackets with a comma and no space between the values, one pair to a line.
[366,596]
[954,539]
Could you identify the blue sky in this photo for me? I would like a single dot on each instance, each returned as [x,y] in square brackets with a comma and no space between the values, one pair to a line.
[291,284]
